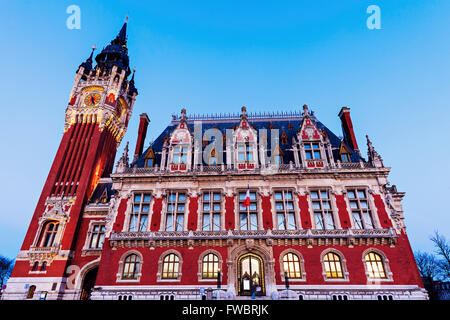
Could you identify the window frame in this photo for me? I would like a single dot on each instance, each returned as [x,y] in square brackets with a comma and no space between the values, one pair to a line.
[138,270]
[248,212]
[301,263]
[360,211]
[175,213]
[139,214]
[343,263]
[385,263]
[285,211]
[161,259]
[323,212]
[211,212]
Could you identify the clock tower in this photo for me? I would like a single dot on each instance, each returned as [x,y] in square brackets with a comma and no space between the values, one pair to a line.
[96,119]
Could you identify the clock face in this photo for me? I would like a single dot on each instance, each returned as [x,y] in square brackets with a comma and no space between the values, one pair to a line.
[92,99]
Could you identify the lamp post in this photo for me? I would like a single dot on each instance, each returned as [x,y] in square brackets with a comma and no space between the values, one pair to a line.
[286,280]
[218,280]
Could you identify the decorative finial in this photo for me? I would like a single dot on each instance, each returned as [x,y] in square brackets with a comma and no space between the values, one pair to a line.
[122,164]
[374,158]
[126,19]
[305,110]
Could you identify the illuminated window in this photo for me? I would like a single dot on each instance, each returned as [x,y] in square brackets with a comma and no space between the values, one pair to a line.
[284,206]
[248,216]
[97,236]
[291,266]
[171,266]
[375,266]
[48,237]
[333,266]
[212,207]
[323,214]
[141,210]
[131,267]
[210,266]
[176,205]
[359,204]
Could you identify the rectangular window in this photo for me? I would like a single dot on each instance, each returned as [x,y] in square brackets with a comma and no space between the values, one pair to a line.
[141,210]
[359,204]
[176,206]
[284,207]
[245,152]
[97,236]
[323,213]
[248,216]
[180,154]
[211,207]
[312,150]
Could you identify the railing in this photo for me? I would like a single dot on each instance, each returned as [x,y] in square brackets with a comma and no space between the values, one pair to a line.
[258,234]
[267,169]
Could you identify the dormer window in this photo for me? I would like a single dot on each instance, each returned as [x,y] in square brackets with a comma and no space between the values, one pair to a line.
[149,162]
[345,157]
[213,158]
[245,152]
[344,153]
[312,150]
[180,154]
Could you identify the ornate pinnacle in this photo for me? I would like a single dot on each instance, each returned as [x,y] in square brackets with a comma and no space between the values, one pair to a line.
[122,164]
[244,112]
[373,156]
[305,110]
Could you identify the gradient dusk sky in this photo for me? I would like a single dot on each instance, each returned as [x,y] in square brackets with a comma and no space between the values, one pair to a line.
[216,56]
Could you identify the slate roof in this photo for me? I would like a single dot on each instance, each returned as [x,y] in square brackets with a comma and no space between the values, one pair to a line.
[288,124]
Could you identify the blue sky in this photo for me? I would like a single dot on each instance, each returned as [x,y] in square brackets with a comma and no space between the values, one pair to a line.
[215,56]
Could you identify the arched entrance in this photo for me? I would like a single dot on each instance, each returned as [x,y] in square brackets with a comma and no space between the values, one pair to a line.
[251,275]
[88,283]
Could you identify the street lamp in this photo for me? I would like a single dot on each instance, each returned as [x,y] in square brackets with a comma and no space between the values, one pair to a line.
[218,279]
[286,280]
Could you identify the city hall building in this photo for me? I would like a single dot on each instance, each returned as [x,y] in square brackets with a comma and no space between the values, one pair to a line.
[224,206]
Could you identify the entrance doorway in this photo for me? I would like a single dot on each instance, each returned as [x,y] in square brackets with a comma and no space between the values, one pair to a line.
[251,275]
[88,284]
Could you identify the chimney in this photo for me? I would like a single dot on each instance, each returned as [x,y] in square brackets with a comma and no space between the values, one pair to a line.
[347,128]
[143,124]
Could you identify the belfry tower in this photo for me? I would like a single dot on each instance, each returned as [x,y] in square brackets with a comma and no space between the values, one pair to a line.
[96,119]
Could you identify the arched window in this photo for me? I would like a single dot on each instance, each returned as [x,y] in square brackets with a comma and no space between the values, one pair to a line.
[48,235]
[44,266]
[333,266]
[210,266]
[131,267]
[31,291]
[291,266]
[35,266]
[375,266]
[171,266]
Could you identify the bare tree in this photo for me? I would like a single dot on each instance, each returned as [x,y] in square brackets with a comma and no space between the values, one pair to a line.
[6,266]
[428,265]
[442,247]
